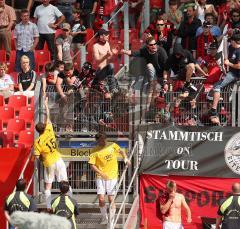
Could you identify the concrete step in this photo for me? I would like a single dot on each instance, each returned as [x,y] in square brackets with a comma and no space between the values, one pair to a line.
[97,226]
[92,220]
[83,200]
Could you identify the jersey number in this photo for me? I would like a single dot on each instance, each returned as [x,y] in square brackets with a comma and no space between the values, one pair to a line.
[51,145]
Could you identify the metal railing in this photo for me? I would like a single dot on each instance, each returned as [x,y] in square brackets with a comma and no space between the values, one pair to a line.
[174,110]
[89,115]
[122,183]
[82,178]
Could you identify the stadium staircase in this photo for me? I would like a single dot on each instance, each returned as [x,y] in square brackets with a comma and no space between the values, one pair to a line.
[90,216]
[126,199]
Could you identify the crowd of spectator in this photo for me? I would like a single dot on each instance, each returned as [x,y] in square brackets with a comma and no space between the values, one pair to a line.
[201,39]
[178,45]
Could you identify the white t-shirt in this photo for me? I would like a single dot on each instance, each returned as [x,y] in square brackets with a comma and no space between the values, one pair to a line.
[46,15]
[5,81]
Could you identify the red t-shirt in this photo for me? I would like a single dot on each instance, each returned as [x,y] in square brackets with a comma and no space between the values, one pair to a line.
[163,199]
[156,4]
[214,71]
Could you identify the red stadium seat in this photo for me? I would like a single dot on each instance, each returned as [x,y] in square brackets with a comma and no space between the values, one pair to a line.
[6,112]
[26,113]
[7,137]
[12,42]
[2,100]
[45,47]
[31,102]
[30,125]
[41,57]
[3,56]
[90,34]
[17,101]
[11,62]
[16,125]
[26,138]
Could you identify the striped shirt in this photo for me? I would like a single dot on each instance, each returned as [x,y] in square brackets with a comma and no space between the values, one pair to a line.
[25,34]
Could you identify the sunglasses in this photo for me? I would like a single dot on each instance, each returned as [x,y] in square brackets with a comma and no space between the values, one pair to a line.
[65,30]
[160,24]
[152,44]
[235,15]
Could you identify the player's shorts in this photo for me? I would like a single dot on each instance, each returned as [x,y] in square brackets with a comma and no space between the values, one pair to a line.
[58,169]
[171,225]
[106,186]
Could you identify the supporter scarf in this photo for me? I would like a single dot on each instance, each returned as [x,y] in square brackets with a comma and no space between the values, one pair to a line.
[200,44]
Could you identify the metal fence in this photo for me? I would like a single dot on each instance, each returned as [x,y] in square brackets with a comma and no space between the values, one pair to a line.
[89,114]
[82,178]
[172,109]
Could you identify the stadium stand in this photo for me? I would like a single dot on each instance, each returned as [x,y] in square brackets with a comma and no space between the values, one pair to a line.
[83,104]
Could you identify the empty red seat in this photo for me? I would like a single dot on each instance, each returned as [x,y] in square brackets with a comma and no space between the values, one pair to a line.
[16,125]
[31,102]
[26,137]
[30,125]
[6,112]
[17,101]
[3,56]
[26,113]
[7,138]
[41,57]
[1,100]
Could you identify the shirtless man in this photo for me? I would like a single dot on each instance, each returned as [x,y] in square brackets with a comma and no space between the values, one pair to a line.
[170,206]
[102,54]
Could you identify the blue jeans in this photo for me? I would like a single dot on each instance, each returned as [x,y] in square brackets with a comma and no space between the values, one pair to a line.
[66,11]
[230,77]
[19,54]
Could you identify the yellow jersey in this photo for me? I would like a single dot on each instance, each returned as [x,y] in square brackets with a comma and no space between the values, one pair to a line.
[46,146]
[105,159]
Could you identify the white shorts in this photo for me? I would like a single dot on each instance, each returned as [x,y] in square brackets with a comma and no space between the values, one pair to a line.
[58,169]
[106,186]
[171,225]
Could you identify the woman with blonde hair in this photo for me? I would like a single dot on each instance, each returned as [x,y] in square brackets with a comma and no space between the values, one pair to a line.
[26,78]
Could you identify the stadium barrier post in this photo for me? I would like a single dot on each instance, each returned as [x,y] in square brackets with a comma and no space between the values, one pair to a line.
[126,33]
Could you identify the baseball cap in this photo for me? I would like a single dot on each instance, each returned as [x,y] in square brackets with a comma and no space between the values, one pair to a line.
[103,32]
[66,26]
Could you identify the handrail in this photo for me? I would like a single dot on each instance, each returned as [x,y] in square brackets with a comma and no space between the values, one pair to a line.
[112,221]
[25,166]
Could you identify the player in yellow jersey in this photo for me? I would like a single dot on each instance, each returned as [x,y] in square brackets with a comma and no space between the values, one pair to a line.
[45,148]
[103,161]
